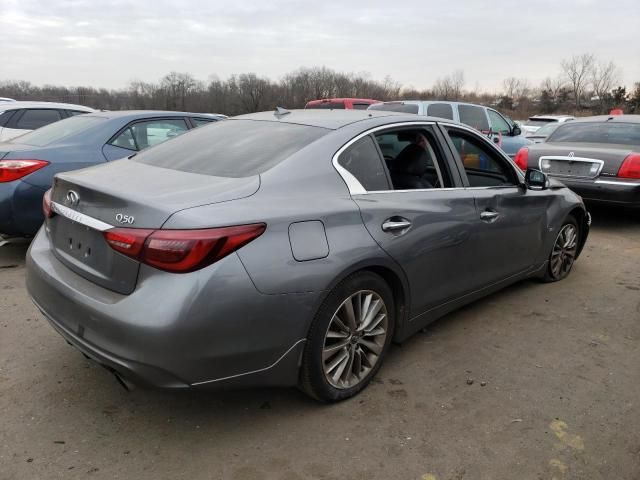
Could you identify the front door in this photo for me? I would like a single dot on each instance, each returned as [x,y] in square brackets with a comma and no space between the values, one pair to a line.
[512,220]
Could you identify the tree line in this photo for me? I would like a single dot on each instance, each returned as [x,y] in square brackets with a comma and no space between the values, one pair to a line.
[583,85]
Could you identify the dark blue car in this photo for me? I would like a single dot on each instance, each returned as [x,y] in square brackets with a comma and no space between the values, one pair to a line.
[29,162]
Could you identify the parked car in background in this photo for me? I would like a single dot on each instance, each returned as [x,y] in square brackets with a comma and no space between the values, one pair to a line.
[541,134]
[539,121]
[282,249]
[341,103]
[501,129]
[5,99]
[18,118]
[597,157]
[28,163]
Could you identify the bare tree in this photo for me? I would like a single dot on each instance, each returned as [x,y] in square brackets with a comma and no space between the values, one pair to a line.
[604,77]
[515,88]
[578,70]
[450,86]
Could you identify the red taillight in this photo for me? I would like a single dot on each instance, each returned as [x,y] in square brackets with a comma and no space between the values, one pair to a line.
[181,251]
[630,168]
[522,158]
[11,170]
[46,205]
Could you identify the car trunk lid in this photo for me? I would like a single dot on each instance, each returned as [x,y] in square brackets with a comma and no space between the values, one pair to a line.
[125,194]
[580,160]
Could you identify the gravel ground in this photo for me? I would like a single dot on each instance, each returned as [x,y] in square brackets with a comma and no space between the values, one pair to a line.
[540,381]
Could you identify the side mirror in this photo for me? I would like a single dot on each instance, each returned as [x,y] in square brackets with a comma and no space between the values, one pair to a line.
[535,179]
[515,131]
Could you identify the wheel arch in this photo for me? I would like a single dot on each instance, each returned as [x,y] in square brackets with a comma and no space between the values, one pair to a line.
[393,275]
[583,219]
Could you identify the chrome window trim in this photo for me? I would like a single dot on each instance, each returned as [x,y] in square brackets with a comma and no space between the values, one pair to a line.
[80,218]
[563,158]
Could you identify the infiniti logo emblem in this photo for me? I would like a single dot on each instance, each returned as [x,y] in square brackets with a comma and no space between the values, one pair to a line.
[72,199]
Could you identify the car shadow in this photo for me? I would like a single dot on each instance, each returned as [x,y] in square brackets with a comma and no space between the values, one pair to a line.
[614,218]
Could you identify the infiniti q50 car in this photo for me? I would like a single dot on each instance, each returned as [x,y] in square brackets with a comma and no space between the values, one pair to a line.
[290,248]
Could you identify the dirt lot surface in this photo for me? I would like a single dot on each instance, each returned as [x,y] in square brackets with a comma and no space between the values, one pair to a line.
[561,400]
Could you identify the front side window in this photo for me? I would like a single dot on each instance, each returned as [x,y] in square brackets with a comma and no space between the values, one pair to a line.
[474,117]
[32,119]
[413,159]
[440,110]
[483,166]
[498,123]
[362,160]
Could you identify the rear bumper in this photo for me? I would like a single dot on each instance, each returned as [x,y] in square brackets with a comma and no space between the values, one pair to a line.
[211,328]
[20,208]
[624,192]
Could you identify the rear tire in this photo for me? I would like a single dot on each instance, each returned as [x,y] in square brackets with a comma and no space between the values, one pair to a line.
[348,338]
[564,251]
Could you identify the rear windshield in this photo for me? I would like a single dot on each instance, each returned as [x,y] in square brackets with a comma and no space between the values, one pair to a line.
[326,106]
[57,131]
[614,133]
[539,122]
[395,107]
[233,148]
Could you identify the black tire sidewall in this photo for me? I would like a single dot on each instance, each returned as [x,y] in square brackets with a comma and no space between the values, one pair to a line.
[312,379]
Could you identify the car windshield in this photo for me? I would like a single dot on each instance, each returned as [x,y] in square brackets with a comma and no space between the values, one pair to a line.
[58,130]
[598,132]
[395,107]
[233,148]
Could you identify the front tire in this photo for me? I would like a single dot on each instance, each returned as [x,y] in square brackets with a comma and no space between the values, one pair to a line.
[348,338]
[564,251]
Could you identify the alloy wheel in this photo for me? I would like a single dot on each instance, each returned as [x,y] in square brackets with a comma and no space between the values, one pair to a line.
[355,339]
[564,251]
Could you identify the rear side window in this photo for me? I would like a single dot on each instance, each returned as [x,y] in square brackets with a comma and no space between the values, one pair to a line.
[441,110]
[474,117]
[73,113]
[32,119]
[360,106]
[591,132]
[362,160]
[233,148]
[199,122]
[395,107]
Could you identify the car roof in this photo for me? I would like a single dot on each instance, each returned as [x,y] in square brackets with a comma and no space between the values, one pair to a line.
[330,119]
[20,104]
[609,119]
[416,102]
[134,114]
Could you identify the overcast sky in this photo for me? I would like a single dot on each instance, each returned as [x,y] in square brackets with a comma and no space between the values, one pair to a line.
[107,43]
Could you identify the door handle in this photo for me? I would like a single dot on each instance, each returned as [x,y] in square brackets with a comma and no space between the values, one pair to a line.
[489,216]
[395,224]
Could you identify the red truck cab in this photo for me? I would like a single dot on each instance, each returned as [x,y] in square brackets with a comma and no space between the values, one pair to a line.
[342,103]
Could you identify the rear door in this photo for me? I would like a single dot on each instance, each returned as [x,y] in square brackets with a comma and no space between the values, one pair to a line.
[426,229]
[511,220]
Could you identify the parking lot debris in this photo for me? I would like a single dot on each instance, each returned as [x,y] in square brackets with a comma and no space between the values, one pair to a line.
[469,381]
[483,384]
